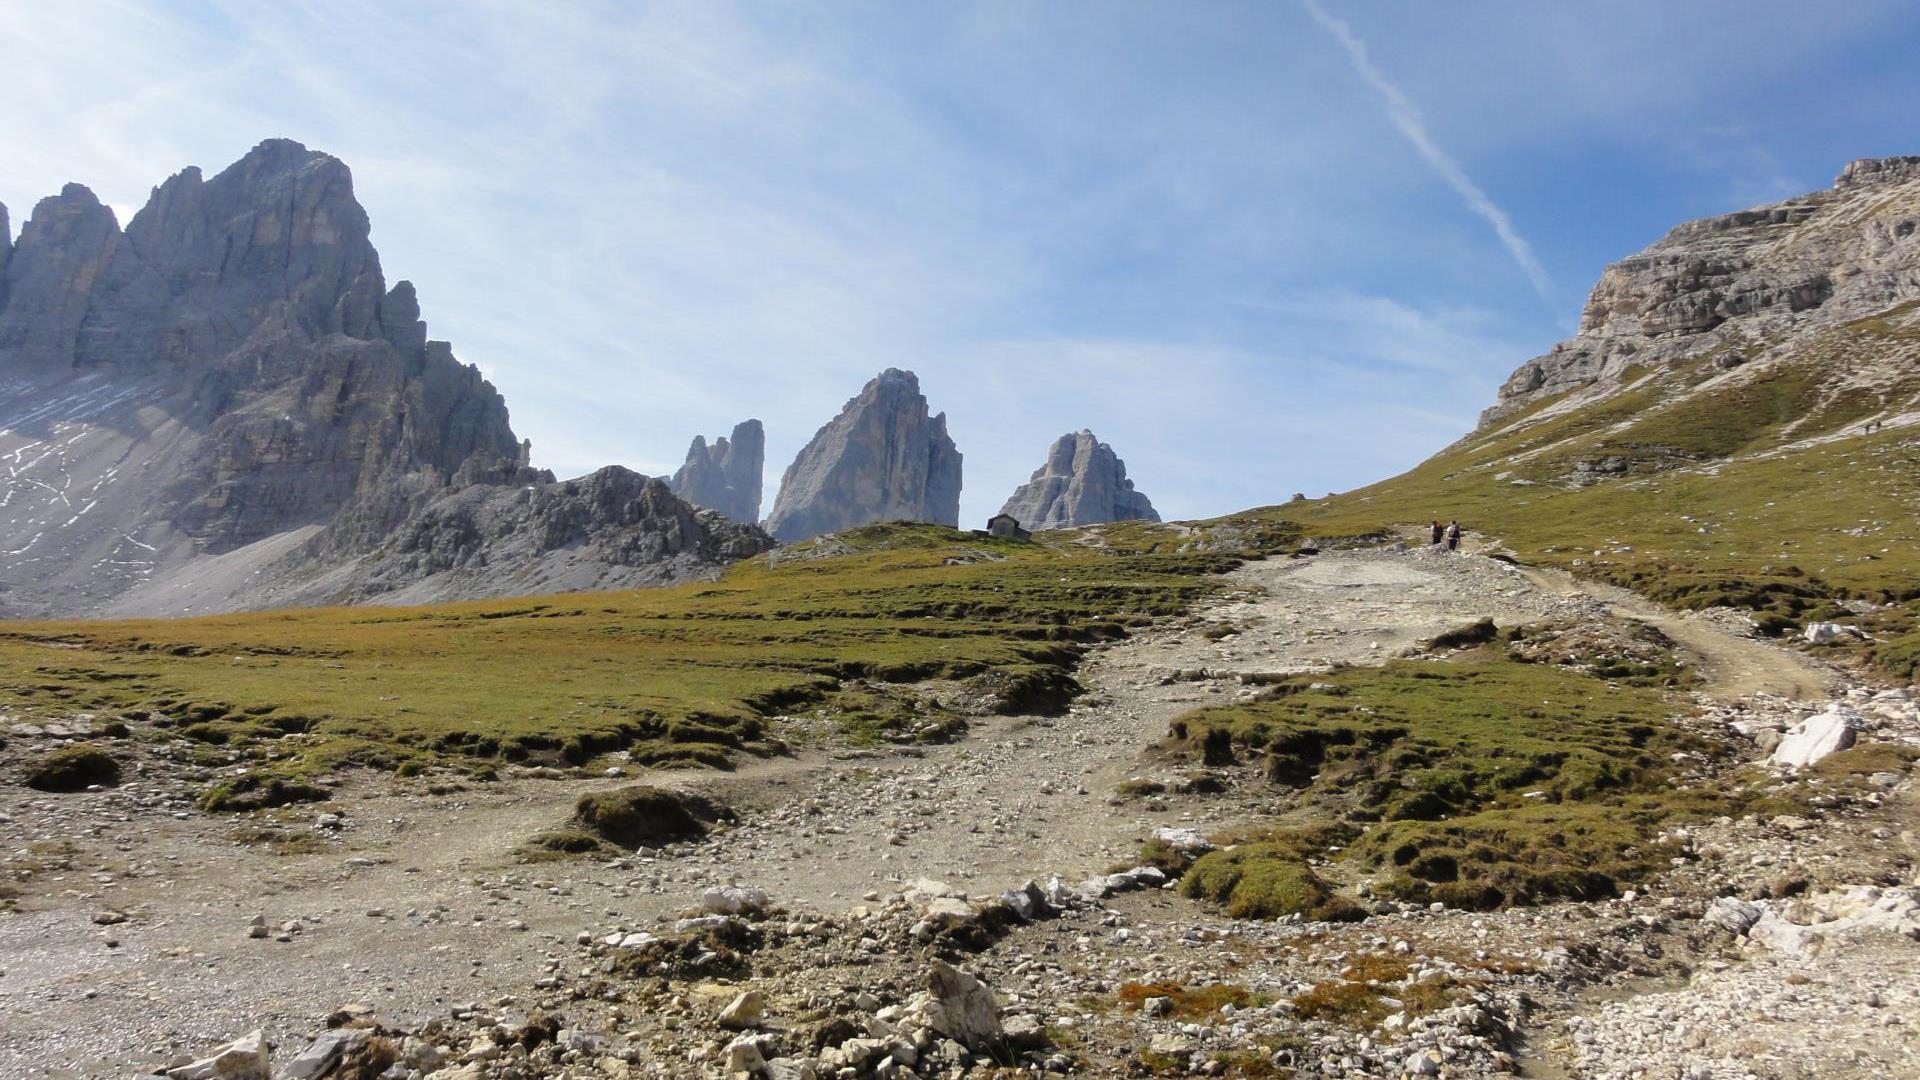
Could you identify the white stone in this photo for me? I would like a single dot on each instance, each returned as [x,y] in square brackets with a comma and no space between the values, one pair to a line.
[1822,633]
[1185,840]
[743,1056]
[734,900]
[244,1058]
[961,1006]
[1737,916]
[1817,736]
[745,1011]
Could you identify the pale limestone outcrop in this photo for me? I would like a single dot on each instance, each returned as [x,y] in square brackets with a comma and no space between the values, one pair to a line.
[1083,482]
[884,458]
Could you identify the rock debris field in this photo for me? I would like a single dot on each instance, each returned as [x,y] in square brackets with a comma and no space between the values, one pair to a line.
[966,909]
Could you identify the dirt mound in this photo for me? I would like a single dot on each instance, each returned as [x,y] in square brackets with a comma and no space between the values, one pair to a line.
[74,768]
[642,816]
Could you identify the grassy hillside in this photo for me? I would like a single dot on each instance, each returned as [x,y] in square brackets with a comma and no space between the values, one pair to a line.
[692,672]
[1825,528]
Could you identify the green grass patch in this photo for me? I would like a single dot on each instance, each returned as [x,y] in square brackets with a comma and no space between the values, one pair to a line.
[643,816]
[255,791]
[1480,782]
[1265,881]
[691,674]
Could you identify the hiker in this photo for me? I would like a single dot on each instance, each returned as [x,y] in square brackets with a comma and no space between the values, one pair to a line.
[1453,536]
[1438,532]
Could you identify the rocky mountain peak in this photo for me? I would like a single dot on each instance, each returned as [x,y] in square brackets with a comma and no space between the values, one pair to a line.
[64,248]
[883,458]
[727,475]
[254,417]
[230,367]
[1083,482]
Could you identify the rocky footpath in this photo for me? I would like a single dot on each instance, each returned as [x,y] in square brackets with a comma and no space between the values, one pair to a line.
[726,476]
[883,458]
[1083,482]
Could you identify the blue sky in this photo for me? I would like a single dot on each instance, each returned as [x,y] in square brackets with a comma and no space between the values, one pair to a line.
[1259,247]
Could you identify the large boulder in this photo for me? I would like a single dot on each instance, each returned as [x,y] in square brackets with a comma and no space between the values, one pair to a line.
[961,1007]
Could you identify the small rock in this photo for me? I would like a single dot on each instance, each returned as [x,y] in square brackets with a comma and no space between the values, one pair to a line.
[744,1012]
[734,900]
[244,1058]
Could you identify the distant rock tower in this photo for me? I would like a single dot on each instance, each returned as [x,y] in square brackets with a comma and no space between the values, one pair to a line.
[884,458]
[726,475]
[1082,483]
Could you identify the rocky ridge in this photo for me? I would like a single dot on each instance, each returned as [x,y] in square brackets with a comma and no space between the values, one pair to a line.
[226,394]
[726,475]
[1744,290]
[883,458]
[1083,482]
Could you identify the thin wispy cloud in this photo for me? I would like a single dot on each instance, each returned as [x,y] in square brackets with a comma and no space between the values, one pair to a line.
[647,221]
[1403,114]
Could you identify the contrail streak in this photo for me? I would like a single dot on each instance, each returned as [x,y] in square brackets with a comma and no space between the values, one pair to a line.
[1407,118]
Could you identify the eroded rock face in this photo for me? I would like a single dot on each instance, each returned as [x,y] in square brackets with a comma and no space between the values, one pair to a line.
[1082,483]
[63,252]
[6,253]
[726,475]
[612,529]
[1734,286]
[884,458]
[224,405]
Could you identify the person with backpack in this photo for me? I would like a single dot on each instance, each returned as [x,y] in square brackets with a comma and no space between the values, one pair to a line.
[1453,536]
[1438,533]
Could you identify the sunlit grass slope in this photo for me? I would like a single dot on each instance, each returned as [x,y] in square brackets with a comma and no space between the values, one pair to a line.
[1792,527]
[692,672]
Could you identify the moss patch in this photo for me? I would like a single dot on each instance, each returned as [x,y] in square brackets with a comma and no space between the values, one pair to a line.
[74,768]
[641,816]
[1479,782]
[1191,1003]
[256,792]
[1267,879]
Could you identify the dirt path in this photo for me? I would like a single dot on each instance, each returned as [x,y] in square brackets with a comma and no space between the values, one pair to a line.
[1734,667]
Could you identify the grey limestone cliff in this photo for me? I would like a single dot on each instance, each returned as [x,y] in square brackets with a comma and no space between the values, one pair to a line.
[1082,483]
[1740,285]
[224,393]
[884,458]
[727,475]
